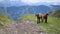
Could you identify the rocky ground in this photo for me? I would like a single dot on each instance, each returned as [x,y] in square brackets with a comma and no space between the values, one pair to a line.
[23,26]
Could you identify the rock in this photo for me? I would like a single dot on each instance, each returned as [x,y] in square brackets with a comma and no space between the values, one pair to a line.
[23,28]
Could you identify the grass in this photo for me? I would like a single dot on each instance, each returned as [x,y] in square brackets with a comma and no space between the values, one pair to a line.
[4,19]
[52,27]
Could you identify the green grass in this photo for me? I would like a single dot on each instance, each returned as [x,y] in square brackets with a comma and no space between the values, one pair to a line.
[31,16]
[4,19]
[52,27]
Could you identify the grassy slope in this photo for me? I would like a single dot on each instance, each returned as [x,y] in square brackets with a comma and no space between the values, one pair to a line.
[4,19]
[53,26]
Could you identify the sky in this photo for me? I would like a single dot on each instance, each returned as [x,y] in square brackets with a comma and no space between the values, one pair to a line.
[28,2]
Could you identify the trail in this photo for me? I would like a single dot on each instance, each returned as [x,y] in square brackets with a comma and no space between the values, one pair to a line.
[22,26]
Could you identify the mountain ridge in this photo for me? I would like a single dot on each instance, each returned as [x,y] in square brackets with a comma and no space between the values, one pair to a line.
[15,11]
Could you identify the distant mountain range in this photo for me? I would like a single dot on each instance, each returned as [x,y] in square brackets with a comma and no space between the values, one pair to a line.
[15,12]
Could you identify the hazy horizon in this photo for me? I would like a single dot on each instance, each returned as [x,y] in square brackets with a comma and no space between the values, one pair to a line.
[28,2]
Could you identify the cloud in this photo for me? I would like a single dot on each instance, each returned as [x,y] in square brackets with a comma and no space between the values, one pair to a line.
[29,2]
[49,0]
[13,0]
[1,0]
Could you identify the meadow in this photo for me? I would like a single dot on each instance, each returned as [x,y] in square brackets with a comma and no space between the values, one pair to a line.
[52,27]
[4,20]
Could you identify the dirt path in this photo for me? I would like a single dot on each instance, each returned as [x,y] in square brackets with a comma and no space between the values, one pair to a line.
[23,26]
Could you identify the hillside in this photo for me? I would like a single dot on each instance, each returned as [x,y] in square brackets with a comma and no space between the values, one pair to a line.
[16,11]
[55,13]
[4,20]
[52,27]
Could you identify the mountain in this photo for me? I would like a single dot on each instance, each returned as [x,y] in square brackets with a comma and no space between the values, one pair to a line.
[15,11]
[56,13]
[56,7]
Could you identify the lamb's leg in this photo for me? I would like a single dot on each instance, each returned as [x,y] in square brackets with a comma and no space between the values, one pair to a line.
[45,20]
[38,21]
